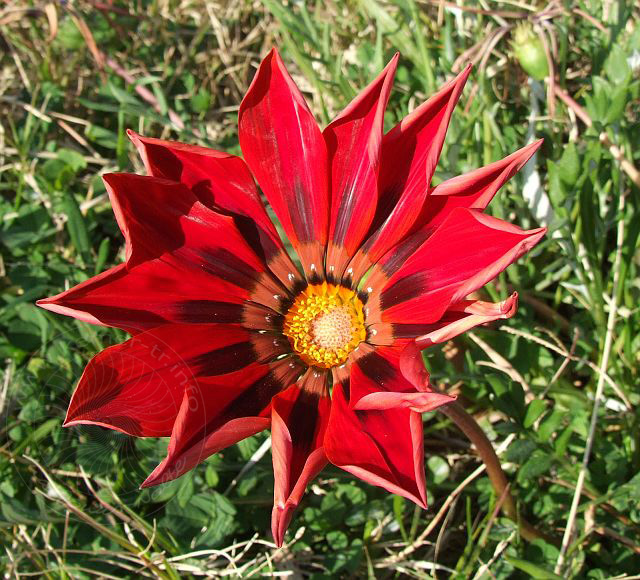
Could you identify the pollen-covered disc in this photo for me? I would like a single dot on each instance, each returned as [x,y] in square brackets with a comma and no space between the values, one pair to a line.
[324,324]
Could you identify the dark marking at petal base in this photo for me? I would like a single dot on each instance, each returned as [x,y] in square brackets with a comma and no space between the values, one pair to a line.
[225,265]
[303,426]
[287,302]
[252,402]
[257,239]
[224,360]
[256,398]
[363,296]
[377,368]
[207,311]
[315,278]
[404,289]
[346,387]
[298,287]
[347,281]
[401,253]
[412,330]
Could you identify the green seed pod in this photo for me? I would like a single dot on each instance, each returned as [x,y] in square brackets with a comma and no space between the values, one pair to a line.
[529,51]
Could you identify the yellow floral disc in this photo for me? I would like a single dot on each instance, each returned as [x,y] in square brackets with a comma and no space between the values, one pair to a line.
[324,324]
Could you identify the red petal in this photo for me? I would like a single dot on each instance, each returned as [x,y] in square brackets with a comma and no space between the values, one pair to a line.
[147,296]
[283,146]
[221,181]
[180,258]
[466,315]
[354,140]
[468,250]
[299,418]
[410,153]
[148,211]
[393,377]
[384,448]
[137,386]
[458,318]
[217,412]
[158,217]
[475,189]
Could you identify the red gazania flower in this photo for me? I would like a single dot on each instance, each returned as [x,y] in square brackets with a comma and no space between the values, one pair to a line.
[230,337]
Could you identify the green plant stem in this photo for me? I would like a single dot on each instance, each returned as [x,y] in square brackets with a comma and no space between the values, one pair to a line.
[468,425]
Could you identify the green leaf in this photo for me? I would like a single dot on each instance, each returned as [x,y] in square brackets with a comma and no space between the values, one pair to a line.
[73,159]
[201,101]
[103,254]
[211,476]
[534,410]
[520,449]
[569,165]
[616,66]
[76,226]
[122,96]
[185,491]
[538,463]
[438,468]
[532,570]
[337,540]
[550,425]
[398,512]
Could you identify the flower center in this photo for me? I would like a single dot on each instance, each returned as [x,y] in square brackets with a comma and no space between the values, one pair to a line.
[324,324]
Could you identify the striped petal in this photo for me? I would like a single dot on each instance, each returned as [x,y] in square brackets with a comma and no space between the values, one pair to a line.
[410,153]
[222,182]
[383,448]
[393,377]
[155,293]
[475,189]
[284,149]
[472,190]
[468,250]
[354,141]
[299,418]
[185,263]
[458,318]
[137,387]
[218,412]
[160,217]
